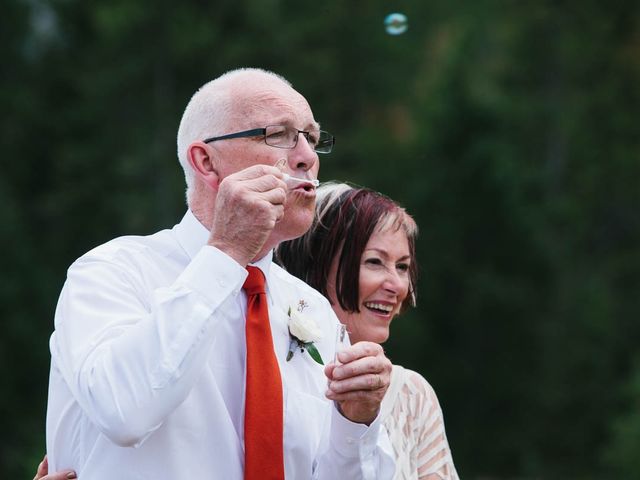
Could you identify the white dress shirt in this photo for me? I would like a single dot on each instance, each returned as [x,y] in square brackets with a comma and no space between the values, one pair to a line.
[148,368]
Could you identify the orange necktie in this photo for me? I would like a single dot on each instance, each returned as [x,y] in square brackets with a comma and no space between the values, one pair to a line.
[263,417]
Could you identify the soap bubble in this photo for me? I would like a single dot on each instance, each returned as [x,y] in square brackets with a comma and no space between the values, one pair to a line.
[396,23]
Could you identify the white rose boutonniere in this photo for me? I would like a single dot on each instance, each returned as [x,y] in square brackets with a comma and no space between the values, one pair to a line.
[303,332]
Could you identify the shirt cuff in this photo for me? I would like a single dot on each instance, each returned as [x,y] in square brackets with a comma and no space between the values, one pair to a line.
[354,439]
[213,274]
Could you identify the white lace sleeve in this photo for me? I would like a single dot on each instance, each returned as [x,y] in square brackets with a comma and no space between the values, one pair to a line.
[414,420]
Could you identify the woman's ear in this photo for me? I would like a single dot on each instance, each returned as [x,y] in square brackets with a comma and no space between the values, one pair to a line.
[203,163]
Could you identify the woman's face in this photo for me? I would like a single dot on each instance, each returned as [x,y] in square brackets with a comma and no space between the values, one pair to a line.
[384,285]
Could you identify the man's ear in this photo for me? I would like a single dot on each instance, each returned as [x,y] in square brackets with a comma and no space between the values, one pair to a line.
[203,163]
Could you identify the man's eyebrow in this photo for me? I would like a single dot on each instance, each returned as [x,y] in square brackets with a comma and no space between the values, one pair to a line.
[311,126]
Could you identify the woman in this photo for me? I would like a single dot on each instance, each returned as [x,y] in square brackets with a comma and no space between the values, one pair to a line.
[361,237]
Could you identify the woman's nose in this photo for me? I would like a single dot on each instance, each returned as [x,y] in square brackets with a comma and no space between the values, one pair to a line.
[393,282]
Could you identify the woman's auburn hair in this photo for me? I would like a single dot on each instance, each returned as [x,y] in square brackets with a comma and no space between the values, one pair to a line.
[346,217]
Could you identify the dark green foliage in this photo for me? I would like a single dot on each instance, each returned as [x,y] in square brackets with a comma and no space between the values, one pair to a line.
[510,130]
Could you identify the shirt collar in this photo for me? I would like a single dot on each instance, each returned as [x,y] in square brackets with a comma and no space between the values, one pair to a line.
[192,236]
[264,264]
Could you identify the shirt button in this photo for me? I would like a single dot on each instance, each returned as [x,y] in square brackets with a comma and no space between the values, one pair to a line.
[350,440]
[222,282]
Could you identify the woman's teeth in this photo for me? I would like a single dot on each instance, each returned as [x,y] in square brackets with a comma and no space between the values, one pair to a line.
[379,306]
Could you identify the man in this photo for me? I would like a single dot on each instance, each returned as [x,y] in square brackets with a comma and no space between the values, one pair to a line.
[155,373]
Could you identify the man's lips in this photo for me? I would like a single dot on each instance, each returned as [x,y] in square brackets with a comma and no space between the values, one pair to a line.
[296,182]
[305,190]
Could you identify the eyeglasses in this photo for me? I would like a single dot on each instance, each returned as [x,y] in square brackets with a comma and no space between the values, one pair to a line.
[282,136]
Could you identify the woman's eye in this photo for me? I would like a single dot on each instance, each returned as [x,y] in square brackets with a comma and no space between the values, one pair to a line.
[373,261]
[403,267]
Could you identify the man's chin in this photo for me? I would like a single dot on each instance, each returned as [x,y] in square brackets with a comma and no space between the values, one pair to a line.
[294,224]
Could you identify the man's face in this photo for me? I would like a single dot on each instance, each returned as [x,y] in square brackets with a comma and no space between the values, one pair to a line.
[280,105]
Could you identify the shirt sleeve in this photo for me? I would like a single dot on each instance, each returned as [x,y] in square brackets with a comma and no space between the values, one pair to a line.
[356,451]
[130,355]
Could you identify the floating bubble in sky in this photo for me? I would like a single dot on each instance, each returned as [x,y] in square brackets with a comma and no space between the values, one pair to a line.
[396,23]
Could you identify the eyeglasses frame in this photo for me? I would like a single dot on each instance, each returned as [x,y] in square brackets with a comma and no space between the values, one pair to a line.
[256,132]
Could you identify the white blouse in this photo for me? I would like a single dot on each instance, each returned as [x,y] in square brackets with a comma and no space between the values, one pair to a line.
[413,419]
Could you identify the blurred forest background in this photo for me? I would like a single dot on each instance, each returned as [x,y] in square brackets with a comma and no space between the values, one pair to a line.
[509,129]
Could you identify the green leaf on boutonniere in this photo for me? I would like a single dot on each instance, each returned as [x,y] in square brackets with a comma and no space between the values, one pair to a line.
[313,351]
[292,347]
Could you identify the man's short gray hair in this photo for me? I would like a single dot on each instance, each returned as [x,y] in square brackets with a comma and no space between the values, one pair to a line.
[212,110]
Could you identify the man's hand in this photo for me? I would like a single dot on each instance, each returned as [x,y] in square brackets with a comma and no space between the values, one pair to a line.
[43,472]
[359,382]
[248,206]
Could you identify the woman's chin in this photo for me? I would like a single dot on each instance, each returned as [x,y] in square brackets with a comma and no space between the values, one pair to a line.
[378,335]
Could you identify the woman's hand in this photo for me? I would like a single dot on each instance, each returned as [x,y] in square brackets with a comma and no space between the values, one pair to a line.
[359,382]
[43,472]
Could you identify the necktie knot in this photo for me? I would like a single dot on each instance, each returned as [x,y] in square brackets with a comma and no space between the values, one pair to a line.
[254,284]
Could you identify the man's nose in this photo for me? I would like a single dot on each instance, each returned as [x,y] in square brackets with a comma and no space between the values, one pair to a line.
[303,156]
